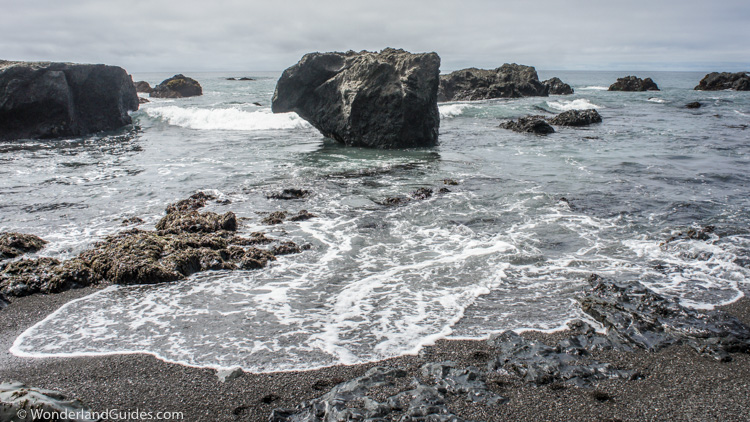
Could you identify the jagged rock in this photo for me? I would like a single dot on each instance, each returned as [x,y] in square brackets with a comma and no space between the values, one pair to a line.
[50,100]
[507,81]
[286,248]
[143,86]
[19,403]
[194,202]
[529,124]
[694,104]
[633,83]
[469,382]
[16,244]
[134,221]
[701,233]
[302,216]
[715,81]
[557,87]
[538,363]
[637,316]
[422,193]
[576,118]
[278,217]
[178,86]
[197,222]
[287,194]
[366,99]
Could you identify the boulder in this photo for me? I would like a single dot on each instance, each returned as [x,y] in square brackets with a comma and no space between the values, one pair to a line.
[366,99]
[143,86]
[529,124]
[557,87]
[632,83]
[716,81]
[507,81]
[20,403]
[178,86]
[576,118]
[50,100]
[16,244]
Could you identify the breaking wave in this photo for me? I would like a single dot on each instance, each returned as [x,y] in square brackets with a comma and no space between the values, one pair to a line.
[565,105]
[226,119]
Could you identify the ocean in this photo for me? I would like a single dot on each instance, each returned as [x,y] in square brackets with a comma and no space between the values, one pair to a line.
[509,247]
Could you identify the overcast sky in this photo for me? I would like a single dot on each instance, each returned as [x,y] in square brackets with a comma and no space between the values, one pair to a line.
[206,35]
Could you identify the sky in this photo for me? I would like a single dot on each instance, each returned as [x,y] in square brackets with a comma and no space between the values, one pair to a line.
[234,35]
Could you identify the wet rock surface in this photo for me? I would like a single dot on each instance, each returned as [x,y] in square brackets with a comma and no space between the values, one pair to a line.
[178,86]
[529,124]
[287,194]
[507,81]
[16,244]
[18,403]
[51,100]
[576,118]
[555,86]
[278,217]
[633,83]
[715,81]
[366,99]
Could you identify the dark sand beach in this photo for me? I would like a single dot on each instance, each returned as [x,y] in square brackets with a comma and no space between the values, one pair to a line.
[677,383]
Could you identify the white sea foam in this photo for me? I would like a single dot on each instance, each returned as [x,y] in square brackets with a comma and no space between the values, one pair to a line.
[593,88]
[226,118]
[452,110]
[579,104]
[657,100]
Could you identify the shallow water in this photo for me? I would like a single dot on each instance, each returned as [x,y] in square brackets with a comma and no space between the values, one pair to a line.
[501,251]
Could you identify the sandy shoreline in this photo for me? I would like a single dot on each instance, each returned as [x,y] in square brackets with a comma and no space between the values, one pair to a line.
[677,384]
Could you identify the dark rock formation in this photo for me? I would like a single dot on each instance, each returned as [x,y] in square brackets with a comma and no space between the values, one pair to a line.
[377,100]
[178,86]
[715,81]
[557,87]
[576,118]
[637,316]
[701,233]
[278,217]
[143,86]
[507,81]
[16,399]
[694,104]
[286,194]
[529,124]
[17,244]
[142,100]
[49,100]
[632,83]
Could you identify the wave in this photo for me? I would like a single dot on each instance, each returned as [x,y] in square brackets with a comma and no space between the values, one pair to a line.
[226,119]
[593,88]
[657,100]
[452,110]
[565,105]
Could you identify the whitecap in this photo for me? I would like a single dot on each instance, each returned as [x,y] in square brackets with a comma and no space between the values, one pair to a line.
[565,105]
[226,118]
[657,100]
[452,110]
[593,88]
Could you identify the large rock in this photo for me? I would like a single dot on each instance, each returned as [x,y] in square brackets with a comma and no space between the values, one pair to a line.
[556,86]
[529,124]
[507,81]
[20,403]
[143,86]
[49,100]
[576,118]
[178,86]
[633,83]
[367,99]
[715,81]
[16,244]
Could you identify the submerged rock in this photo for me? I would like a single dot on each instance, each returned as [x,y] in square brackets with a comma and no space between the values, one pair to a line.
[178,86]
[694,104]
[143,86]
[576,118]
[715,81]
[366,99]
[16,244]
[290,193]
[50,100]
[507,81]
[555,86]
[633,83]
[20,403]
[529,124]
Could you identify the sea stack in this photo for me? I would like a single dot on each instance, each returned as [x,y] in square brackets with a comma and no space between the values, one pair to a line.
[50,100]
[366,99]
[715,81]
[178,86]
[633,84]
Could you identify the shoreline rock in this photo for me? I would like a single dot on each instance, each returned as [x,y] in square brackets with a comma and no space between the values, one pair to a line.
[366,99]
[51,100]
[715,81]
[633,84]
[16,244]
[178,86]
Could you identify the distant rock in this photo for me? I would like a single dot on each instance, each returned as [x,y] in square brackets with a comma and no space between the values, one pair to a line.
[576,118]
[633,83]
[178,86]
[50,100]
[507,81]
[715,81]
[143,86]
[694,104]
[365,99]
[529,124]
[557,87]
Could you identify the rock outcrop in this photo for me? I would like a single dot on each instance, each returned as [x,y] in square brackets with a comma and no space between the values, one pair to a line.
[50,100]
[178,86]
[17,244]
[507,81]
[716,81]
[143,86]
[633,83]
[555,86]
[365,99]
[529,124]
[576,118]
[20,403]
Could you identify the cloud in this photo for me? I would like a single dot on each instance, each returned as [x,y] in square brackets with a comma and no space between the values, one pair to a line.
[160,35]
